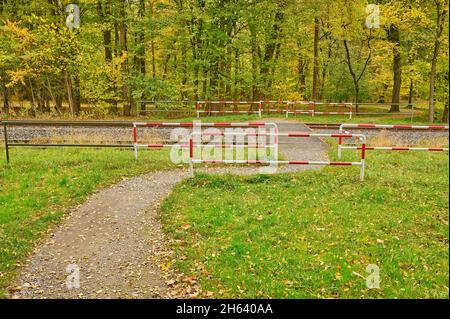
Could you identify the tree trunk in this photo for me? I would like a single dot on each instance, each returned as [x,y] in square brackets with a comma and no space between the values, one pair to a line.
[355,78]
[142,52]
[123,50]
[432,81]
[440,19]
[352,73]
[254,47]
[272,47]
[445,114]
[316,60]
[184,75]
[235,74]
[394,37]
[301,68]
[76,94]
[411,93]
[104,12]
[153,59]
[5,99]
[68,85]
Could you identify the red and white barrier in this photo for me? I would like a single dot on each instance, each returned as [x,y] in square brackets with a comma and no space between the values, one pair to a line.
[313,112]
[391,126]
[271,162]
[199,105]
[197,125]
[382,148]
[200,124]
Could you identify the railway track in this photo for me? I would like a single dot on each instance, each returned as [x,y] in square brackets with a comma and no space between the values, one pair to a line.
[335,126]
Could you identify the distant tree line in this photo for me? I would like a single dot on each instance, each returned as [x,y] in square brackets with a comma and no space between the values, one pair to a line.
[125,51]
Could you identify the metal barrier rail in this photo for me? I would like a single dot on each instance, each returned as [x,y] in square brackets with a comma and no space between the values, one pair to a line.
[198,106]
[362,137]
[136,145]
[312,111]
[7,123]
[391,126]
[351,113]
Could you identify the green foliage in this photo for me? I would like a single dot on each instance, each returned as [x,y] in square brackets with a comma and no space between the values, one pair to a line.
[214,49]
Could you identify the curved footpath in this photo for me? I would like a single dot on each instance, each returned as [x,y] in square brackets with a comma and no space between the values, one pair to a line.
[114,240]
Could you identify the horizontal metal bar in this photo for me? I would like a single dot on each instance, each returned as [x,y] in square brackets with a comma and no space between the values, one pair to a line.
[197,161]
[67,123]
[72,145]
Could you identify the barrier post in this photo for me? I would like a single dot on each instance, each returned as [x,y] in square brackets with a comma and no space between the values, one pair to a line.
[313,108]
[6,142]
[363,158]
[351,110]
[197,108]
[135,142]
[287,109]
[191,157]
[339,147]
[260,109]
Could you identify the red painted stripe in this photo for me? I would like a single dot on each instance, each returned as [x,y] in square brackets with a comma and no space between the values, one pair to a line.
[191,148]
[367,148]
[436,149]
[400,148]
[222,124]
[341,135]
[213,134]
[402,126]
[363,151]
[155,146]
[366,125]
[298,163]
[341,164]
[437,127]
[299,135]
[135,134]
[153,124]
[257,134]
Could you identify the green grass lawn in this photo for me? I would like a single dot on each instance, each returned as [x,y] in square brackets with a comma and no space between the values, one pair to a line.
[39,186]
[312,235]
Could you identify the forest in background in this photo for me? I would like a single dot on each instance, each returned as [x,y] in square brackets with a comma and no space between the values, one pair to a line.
[126,51]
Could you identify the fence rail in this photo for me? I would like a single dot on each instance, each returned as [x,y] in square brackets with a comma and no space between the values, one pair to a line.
[193,146]
[390,126]
[35,123]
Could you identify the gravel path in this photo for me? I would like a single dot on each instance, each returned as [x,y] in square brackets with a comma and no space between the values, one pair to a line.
[115,239]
